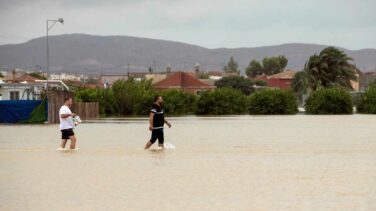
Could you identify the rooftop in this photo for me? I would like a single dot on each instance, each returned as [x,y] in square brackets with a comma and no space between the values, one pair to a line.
[287,74]
[181,79]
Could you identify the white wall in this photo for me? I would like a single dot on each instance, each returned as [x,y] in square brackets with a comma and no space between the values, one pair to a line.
[5,93]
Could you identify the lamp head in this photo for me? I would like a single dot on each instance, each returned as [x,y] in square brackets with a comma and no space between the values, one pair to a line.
[61,20]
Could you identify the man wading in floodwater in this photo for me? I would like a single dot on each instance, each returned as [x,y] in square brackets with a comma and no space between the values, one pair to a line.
[156,120]
[67,124]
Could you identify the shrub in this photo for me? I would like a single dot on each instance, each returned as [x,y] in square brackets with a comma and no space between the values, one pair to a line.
[273,101]
[261,83]
[178,102]
[329,101]
[130,95]
[367,102]
[222,101]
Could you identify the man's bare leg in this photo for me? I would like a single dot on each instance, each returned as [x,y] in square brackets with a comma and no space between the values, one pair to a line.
[148,145]
[63,143]
[73,142]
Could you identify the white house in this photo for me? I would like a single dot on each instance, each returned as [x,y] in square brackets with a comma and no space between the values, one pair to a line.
[21,91]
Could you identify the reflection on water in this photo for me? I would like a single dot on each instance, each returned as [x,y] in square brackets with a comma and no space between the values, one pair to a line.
[296,162]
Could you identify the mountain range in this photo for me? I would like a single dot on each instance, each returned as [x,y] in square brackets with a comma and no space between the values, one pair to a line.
[91,54]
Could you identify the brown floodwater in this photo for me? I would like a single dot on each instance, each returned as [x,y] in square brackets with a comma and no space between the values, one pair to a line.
[296,162]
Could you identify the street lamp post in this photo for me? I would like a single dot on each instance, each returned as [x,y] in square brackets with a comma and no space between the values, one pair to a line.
[60,20]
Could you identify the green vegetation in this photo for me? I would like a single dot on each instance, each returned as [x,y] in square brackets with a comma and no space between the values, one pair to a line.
[261,83]
[104,97]
[323,76]
[177,102]
[273,101]
[124,98]
[330,68]
[130,96]
[236,82]
[269,66]
[222,101]
[232,66]
[367,102]
[329,101]
[38,75]
[135,98]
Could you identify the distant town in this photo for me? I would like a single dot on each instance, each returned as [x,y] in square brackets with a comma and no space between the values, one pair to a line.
[22,84]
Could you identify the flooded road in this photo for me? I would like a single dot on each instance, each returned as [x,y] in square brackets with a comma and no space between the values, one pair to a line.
[296,162]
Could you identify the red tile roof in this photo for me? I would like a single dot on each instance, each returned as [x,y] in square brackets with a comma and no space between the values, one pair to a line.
[181,80]
[287,74]
[24,77]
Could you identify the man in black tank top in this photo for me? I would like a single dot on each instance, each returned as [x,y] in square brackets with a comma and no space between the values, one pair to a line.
[157,121]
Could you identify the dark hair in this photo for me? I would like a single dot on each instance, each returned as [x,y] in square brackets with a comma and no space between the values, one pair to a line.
[66,99]
[156,97]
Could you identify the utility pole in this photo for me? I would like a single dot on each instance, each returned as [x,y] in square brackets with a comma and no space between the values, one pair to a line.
[48,27]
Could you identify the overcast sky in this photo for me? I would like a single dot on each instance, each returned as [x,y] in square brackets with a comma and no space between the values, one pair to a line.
[208,23]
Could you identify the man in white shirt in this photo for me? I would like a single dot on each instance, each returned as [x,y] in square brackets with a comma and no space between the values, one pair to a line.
[67,124]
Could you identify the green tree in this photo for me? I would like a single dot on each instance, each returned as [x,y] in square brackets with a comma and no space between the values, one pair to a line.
[236,82]
[254,68]
[283,61]
[178,102]
[130,95]
[269,66]
[274,65]
[330,68]
[222,101]
[232,66]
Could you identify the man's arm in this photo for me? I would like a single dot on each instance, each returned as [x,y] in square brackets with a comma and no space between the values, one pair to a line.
[67,115]
[167,123]
[151,118]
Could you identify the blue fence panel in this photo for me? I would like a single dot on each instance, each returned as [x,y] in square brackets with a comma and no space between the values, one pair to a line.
[12,111]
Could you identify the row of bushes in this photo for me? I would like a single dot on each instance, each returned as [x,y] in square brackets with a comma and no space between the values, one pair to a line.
[339,101]
[135,98]
[126,98]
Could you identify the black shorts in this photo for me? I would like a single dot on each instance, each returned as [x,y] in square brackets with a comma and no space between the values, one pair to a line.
[157,134]
[66,133]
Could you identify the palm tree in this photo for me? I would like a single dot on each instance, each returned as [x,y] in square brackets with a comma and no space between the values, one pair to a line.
[332,67]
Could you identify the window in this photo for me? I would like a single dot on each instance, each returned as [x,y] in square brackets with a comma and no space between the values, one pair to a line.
[14,95]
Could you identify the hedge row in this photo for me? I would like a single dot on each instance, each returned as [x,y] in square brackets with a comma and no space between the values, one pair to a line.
[135,98]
